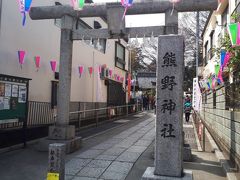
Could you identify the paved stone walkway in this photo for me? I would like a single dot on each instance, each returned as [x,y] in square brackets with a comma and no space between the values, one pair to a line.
[114,158]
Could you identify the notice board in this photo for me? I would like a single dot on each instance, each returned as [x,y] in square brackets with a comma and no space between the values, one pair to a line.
[13,98]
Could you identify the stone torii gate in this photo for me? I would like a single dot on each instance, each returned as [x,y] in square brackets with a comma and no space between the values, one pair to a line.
[168,162]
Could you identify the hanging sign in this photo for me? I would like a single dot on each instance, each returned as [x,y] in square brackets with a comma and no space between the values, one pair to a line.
[24,7]
[21,57]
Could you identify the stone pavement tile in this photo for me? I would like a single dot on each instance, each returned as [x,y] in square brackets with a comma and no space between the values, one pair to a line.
[121,136]
[91,172]
[124,145]
[143,143]
[106,157]
[137,135]
[75,165]
[137,149]
[128,157]
[102,146]
[120,167]
[114,151]
[114,140]
[99,164]
[109,175]
[90,154]
[67,177]
[83,178]
[131,139]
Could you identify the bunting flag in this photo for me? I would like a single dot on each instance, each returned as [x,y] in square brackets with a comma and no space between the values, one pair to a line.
[233,32]
[126,4]
[226,60]
[118,78]
[220,76]
[21,57]
[24,8]
[222,56]
[80,70]
[53,64]
[213,82]
[37,62]
[90,70]
[210,82]
[217,69]
[78,4]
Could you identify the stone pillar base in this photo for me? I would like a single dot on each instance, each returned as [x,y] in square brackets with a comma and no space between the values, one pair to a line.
[149,175]
[61,132]
[72,145]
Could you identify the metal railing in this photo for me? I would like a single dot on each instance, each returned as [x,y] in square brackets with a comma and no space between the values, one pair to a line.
[96,116]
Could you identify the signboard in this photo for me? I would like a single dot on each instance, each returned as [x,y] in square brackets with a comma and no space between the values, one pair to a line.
[53,176]
[197,97]
[13,98]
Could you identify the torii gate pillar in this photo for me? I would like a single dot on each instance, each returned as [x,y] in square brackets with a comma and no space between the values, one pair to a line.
[62,131]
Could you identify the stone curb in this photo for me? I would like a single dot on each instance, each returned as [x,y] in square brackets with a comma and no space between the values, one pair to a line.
[196,136]
[230,175]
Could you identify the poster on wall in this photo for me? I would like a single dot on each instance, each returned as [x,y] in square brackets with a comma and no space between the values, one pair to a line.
[6,102]
[8,90]
[1,103]
[14,103]
[14,90]
[22,96]
[2,89]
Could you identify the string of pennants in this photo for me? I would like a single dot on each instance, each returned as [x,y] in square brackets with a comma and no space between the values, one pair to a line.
[225,57]
[216,78]
[81,69]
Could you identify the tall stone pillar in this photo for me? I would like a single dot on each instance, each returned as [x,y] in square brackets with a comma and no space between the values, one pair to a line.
[62,131]
[169,116]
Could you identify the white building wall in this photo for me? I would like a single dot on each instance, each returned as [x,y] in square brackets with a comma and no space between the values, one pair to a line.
[42,37]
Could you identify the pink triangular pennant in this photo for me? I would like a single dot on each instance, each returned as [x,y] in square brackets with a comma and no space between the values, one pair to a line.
[80,70]
[90,69]
[37,61]
[53,65]
[21,57]
[227,59]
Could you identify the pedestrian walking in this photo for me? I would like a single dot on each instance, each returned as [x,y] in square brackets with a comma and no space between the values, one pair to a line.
[187,110]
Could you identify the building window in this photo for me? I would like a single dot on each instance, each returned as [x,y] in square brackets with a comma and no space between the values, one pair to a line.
[119,55]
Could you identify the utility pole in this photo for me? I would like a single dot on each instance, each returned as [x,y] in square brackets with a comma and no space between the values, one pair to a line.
[197,42]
